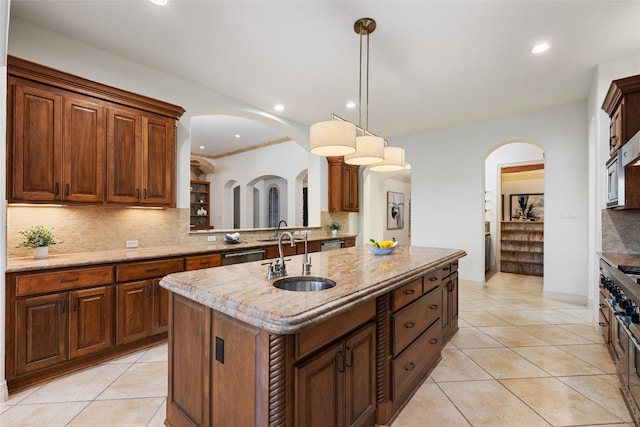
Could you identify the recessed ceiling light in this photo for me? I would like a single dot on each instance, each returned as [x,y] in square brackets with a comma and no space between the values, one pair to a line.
[278,107]
[202,147]
[159,2]
[541,47]
[237,135]
[351,104]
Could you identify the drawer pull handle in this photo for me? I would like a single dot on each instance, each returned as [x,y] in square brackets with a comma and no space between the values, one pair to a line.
[434,340]
[433,279]
[410,292]
[409,325]
[601,305]
[349,357]
[433,306]
[204,262]
[410,366]
[75,279]
[602,324]
[340,361]
[153,268]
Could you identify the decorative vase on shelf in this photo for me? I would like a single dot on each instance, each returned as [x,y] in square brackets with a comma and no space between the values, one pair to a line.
[41,252]
[334,233]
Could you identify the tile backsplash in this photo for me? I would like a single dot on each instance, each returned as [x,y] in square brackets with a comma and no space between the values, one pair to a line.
[621,231]
[91,229]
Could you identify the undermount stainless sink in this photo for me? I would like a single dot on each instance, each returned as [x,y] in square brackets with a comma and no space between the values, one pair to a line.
[304,283]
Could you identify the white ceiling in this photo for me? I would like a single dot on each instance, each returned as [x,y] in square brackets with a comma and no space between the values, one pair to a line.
[433,63]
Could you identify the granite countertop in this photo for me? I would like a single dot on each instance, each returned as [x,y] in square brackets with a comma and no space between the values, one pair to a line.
[242,291]
[615,259]
[15,265]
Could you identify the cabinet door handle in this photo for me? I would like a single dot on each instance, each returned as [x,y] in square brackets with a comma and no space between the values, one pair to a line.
[148,290]
[410,366]
[434,340]
[410,292]
[138,193]
[144,192]
[340,362]
[66,189]
[75,279]
[349,357]
[56,191]
[409,325]
[156,288]
[74,307]
[62,305]
[433,306]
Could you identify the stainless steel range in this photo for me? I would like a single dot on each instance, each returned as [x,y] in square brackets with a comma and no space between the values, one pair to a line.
[621,311]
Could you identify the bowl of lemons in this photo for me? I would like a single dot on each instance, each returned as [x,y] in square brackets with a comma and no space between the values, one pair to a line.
[383,247]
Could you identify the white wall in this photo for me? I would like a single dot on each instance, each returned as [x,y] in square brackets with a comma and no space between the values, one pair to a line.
[375,186]
[287,160]
[448,171]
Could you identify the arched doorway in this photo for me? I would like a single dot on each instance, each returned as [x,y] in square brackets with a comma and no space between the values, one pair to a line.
[514,208]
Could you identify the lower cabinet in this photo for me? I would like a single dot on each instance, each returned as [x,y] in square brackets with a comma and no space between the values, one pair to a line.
[142,305]
[337,386]
[54,328]
[450,304]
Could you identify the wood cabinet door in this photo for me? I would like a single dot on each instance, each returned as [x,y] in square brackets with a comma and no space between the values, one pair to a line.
[133,311]
[124,154]
[160,308]
[84,149]
[360,378]
[350,183]
[36,150]
[90,320]
[320,396]
[157,161]
[42,333]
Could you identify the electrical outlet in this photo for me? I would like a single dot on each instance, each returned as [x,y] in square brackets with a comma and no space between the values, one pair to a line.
[211,238]
[131,244]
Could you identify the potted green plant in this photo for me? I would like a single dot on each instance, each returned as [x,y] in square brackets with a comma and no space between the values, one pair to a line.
[39,239]
[334,227]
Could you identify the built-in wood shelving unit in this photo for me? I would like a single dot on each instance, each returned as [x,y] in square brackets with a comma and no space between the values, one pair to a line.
[522,247]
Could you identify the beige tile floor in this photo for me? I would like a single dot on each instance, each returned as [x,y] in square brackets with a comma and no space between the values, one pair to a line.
[519,360]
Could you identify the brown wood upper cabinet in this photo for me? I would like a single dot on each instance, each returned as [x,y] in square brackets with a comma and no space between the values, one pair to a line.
[72,140]
[344,183]
[622,104]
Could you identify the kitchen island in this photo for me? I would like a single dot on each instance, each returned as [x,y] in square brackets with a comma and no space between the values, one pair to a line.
[244,353]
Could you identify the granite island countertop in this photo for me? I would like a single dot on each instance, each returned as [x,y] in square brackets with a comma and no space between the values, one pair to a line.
[19,264]
[242,291]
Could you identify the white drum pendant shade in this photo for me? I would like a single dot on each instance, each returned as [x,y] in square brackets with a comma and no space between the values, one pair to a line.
[393,160]
[369,149]
[332,138]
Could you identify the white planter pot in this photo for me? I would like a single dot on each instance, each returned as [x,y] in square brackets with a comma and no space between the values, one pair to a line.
[41,252]
[334,233]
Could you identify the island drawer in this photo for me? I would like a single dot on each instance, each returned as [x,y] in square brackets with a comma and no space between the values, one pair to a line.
[148,269]
[336,327]
[406,294]
[410,367]
[202,261]
[412,320]
[41,283]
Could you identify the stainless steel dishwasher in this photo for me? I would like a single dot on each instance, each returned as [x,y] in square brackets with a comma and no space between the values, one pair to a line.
[237,257]
[331,244]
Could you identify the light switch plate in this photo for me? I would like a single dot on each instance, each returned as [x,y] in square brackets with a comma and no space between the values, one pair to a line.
[211,238]
[131,244]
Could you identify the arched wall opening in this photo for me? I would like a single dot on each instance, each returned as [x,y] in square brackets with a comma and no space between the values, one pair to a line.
[514,193]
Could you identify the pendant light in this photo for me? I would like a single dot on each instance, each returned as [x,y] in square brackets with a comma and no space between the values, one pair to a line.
[369,148]
[338,137]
